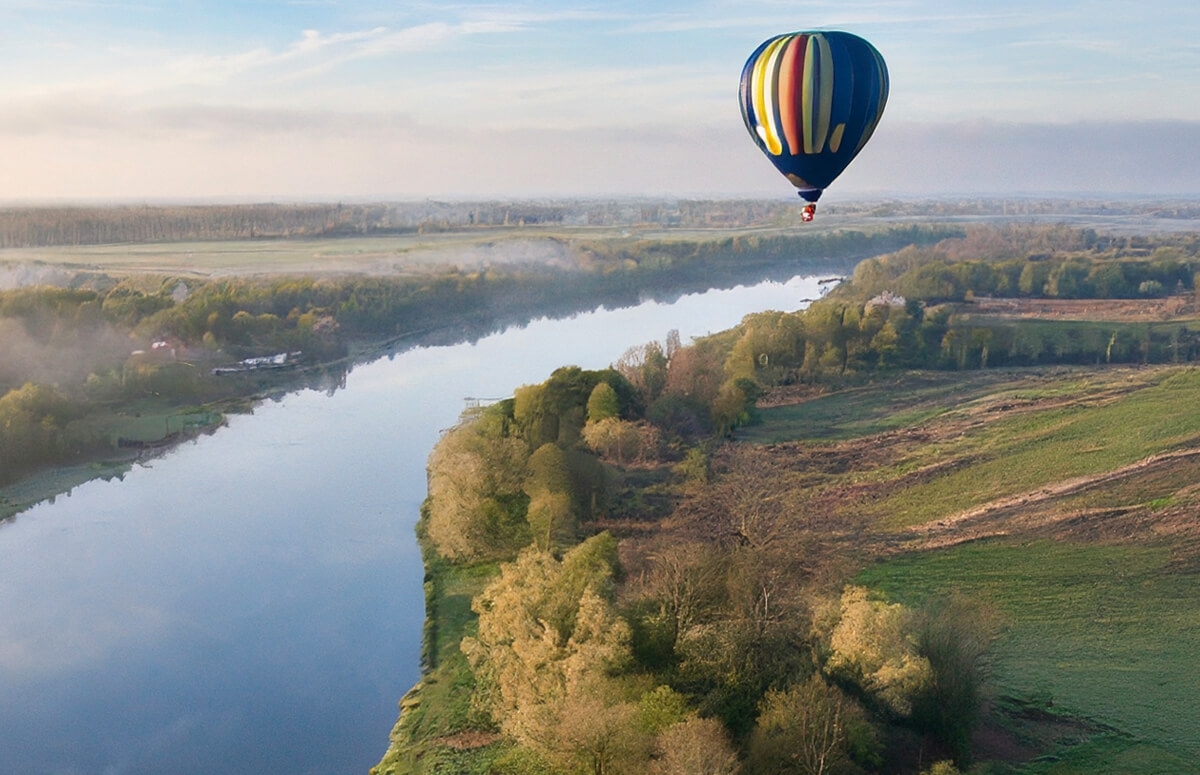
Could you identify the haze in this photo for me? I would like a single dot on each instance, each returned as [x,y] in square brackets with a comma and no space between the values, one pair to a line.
[318,100]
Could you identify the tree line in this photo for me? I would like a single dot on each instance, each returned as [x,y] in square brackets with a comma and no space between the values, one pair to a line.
[30,227]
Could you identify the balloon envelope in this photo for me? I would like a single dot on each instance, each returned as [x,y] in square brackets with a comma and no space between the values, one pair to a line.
[811,100]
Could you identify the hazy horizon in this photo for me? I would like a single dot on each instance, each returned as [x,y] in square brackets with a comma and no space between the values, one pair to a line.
[369,100]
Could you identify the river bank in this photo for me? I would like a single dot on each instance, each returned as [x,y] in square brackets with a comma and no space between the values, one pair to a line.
[255,596]
[511,294]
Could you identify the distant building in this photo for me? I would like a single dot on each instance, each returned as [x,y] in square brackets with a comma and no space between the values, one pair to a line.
[887,299]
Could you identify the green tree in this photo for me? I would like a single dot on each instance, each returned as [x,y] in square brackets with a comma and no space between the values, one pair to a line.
[552,512]
[477,504]
[645,367]
[1069,280]
[621,440]
[734,405]
[953,636]
[1033,278]
[811,729]
[874,644]
[602,403]
[33,421]
[549,642]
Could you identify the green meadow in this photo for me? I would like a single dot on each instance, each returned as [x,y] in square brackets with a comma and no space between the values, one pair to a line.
[1159,413]
[1014,431]
[1109,633]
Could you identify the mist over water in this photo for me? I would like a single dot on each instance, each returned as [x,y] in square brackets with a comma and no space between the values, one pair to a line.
[251,602]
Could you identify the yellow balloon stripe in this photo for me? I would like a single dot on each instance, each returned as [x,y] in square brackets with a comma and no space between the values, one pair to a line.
[835,142]
[764,96]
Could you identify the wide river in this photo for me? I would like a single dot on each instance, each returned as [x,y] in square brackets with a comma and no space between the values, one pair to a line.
[251,602]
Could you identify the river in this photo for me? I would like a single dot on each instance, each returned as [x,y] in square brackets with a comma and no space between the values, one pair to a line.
[251,601]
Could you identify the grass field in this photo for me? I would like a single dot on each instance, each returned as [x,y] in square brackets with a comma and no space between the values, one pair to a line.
[283,256]
[1109,633]
[1100,624]
[904,402]
[996,435]
[364,254]
[1033,449]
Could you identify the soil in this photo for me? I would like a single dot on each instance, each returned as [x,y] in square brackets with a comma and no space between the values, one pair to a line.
[1123,310]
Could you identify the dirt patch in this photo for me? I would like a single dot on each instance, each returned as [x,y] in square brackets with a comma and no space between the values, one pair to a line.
[1018,731]
[1126,310]
[1040,513]
[790,395]
[466,741]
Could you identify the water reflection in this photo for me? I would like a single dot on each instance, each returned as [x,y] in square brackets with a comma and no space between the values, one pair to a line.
[251,602]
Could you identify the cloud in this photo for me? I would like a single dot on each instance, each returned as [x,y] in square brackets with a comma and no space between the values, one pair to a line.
[315,52]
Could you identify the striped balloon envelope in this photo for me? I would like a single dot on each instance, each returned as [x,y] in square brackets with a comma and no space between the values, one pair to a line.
[811,100]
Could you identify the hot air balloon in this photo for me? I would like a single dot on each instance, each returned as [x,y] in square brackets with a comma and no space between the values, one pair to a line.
[811,100]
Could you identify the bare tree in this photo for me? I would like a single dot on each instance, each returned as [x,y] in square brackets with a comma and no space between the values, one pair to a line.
[698,746]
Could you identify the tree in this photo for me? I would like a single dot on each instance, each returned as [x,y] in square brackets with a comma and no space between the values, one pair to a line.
[32,422]
[549,639]
[602,403]
[645,367]
[686,585]
[874,644]
[620,440]
[696,373]
[734,405]
[1033,278]
[953,635]
[758,638]
[556,410]
[1069,280]
[697,746]
[749,496]
[477,505]
[810,729]
[599,737]
[552,515]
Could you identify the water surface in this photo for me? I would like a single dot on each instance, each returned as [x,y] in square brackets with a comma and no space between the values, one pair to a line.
[251,602]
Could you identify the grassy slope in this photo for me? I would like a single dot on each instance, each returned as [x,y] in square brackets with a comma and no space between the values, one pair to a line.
[438,708]
[1107,630]
[1079,438]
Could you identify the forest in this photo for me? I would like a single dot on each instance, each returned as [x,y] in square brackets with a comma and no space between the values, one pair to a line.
[667,566]
[83,360]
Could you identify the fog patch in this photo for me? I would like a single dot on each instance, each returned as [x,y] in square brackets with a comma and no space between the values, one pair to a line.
[13,276]
[539,253]
[64,360]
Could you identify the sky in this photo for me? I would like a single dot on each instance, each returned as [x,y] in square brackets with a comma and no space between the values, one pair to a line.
[317,100]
